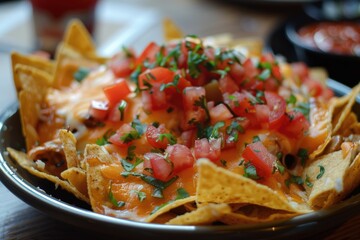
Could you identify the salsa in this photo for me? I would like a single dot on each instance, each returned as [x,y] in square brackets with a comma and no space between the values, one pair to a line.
[334,37]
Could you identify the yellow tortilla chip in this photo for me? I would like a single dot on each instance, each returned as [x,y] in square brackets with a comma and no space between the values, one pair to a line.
[333,176]
[32,80]
[29,110]
[31,167]
[77,178]
[30,61]
[218,185]
[69,145]
[250,47]
[204,215]
[171,30]
[68,61]
[341,108]
[79,38]
[168,207]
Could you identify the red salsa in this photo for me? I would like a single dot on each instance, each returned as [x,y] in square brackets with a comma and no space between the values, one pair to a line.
[334,37]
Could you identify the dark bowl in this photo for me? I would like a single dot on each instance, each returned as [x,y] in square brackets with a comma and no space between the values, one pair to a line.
[344,68]
[61,205]
[333,10]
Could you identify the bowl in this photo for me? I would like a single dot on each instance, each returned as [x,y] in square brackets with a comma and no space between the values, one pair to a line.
[62,206]
[342,67]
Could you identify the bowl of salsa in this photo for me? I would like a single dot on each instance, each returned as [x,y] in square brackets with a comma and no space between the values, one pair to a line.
[334,45]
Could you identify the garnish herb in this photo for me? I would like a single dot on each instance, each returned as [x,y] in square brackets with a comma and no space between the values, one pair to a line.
[256,139]
[201,102]
[304,108]
[215,130]
[294,179]
[151,180]
[193,61]
[128,166]
[130,152]
[174,83]
[321,173]
[181,194]
[81,74]
[171,139]
[250,171]
[307,182]
[141,195]
[122,106]
[140,128]
[223,162]
[291,100]
[278,166]
[265,74]
[130,136]
[127,52]
[303,155]
[104,140]
[113,200]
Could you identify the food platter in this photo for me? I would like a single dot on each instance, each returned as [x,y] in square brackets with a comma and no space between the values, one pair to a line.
[61,205]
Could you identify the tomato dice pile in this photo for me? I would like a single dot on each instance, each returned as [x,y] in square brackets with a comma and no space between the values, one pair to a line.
[219,93]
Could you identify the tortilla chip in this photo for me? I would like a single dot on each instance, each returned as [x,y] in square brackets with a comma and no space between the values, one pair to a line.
[29,109]
[168,207]
[68,61]
[219,40]
[171,30]
[78,37]
[218,185]
[251,214]
[204,215]
[341,108]
[69,145]
[32,80]
[77,178]
[22,159]
[340,176]
[349,125]
[32,61]
[319,74]
[250,47]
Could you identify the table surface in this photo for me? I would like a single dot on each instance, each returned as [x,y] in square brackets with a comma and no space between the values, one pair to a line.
[116,26]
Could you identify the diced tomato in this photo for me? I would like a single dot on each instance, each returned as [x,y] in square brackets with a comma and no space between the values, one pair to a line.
[210,149]
[99,110]
[277,107]
[117,91]
[149,53]
[155,75]
[262,114]
[227,84]
[250,72]
[220,113]
[180,156]
[300,70]
[295,124]
[193,95]
[115,114]
[237,72]
[161,167]
[188,137]
[260,157]
[121,65]
[154,99]
[314,87]
[153,136]
[239,103]
[119,138]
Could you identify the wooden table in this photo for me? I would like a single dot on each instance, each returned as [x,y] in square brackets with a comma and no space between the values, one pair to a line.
[131,23]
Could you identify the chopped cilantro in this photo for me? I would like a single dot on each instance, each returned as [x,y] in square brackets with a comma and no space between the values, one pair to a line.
[140,128]
[171,139]
[127,52]
[250,171]
[223,162]
[104,140]
[113,200]
[294,179]
[307,181]
[141,195]
[128,166]
[130,136]
[122,106]
[265,74]
[151,180]
[201,102]
[304,108]
[321,173]
[181,194]
[215,130]
[256,139]
[303,155]
[174,83]
[291,100]
[193,61]
[81,74]
[130,152]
